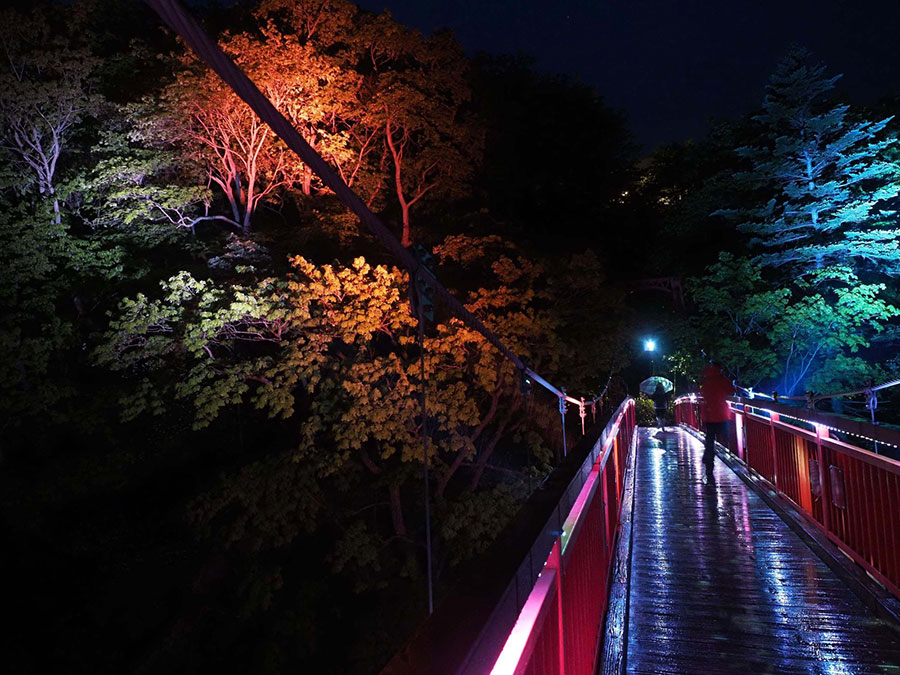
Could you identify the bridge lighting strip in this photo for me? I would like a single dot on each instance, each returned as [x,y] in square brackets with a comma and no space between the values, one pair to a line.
[693,398]
[577,510]
[824,426]
[529,622]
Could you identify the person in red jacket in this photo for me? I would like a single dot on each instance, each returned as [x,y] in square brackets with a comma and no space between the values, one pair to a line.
[715,390]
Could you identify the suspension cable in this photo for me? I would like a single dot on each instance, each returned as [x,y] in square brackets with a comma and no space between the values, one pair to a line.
[820,397]
[420,312]
[811,398]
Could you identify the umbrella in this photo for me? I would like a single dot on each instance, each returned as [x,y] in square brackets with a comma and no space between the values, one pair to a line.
[648,386]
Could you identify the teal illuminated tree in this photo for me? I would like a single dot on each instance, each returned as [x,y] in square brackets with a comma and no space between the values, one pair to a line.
[818,199]
[822,177]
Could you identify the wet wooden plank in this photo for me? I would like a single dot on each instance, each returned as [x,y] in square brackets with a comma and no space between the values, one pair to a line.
[720,584]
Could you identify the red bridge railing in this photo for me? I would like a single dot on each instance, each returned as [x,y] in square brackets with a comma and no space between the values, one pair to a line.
[852,494]
[559,627]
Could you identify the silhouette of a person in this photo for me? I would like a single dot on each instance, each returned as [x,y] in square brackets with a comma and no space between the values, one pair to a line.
[660,401]
[715,390]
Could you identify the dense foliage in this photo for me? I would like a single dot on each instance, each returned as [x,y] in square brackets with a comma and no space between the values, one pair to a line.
[209,382]
[207,363]
[804,297]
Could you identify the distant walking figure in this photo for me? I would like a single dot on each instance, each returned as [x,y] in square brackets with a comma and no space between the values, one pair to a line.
[715,390]
[660,402]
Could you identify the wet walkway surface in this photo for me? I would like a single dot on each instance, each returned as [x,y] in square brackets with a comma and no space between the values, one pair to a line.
[720,584]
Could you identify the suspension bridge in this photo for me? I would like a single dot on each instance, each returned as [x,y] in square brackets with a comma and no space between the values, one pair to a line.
[785,559]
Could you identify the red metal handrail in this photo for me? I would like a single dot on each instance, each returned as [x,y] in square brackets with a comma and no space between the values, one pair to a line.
[851,494]
[558,630]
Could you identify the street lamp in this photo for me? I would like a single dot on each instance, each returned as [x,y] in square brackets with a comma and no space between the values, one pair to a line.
[650,347]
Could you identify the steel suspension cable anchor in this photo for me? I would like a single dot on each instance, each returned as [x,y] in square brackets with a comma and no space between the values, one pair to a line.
[872,403]
[582,413]
[562,412]
[417,296]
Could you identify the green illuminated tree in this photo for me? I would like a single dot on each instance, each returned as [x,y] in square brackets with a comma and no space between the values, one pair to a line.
[820,194]
[818,336]
[809,334]
[135,195]
[737,309]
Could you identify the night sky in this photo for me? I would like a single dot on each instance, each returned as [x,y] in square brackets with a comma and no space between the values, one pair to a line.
[672,65]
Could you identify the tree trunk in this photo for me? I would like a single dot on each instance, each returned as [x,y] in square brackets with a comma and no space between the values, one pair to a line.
[491,446]
[445,479]
[57,219]
[485,456]
[397,155]
[405,240]
[397,510]
[457,462]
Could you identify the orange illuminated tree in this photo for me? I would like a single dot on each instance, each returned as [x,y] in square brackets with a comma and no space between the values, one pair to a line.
[230,146]
[317,36]
[417,101]
[383,105]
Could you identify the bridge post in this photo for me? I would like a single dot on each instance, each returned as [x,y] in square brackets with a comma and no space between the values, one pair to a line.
[822,432]
[555,562]
[773,417]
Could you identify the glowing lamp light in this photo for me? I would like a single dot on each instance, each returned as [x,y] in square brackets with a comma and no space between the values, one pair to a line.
[649,345]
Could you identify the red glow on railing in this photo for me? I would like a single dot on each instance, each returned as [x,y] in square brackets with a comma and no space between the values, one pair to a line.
[528,640]
[558,629]
[851,494]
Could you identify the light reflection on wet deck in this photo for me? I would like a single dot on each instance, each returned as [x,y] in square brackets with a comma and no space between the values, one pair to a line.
[720,584]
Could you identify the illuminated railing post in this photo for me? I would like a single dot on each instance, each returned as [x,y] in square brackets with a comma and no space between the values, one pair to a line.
[582,412]
[555,564]
[773,417]
[821,433]
[739,433]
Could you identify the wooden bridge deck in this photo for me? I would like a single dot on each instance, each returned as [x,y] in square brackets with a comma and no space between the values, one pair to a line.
[720,584]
